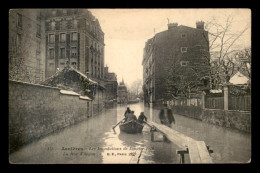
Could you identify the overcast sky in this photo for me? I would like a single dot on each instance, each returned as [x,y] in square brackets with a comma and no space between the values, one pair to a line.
[127,30]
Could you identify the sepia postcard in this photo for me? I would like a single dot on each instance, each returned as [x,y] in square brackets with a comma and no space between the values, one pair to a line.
[129,86]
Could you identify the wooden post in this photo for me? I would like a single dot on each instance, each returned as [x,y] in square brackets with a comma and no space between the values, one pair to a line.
[151,111]
[226,97]
[181,155]
[198,152]
[92,109]
[203,100]
[152,135]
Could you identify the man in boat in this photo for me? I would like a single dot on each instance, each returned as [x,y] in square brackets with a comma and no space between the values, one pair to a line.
[131,116]
[166,118]
[142,118]
[128,111]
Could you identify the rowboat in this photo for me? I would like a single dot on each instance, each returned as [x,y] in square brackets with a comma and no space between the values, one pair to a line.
[131,127]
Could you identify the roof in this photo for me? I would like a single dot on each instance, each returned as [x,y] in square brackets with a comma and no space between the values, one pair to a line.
[216,91]
[66,69]
[179,28]
[239,79]
[84,76]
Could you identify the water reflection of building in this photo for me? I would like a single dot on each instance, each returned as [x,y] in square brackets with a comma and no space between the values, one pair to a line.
[122,93]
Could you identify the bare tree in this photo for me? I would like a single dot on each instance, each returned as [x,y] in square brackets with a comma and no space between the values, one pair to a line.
[178,83]
[136,87]
[244,58]
[221,42]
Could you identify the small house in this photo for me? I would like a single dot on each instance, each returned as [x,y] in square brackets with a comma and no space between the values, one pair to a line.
[72,80]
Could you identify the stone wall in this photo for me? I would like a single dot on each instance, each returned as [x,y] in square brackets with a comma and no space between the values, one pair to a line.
[240,120]
[188,111]
[36,111]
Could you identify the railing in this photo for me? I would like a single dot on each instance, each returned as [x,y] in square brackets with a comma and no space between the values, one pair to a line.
[242,103]
[214,102]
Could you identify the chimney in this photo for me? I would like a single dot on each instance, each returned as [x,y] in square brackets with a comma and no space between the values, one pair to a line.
[200,25]
[172,25]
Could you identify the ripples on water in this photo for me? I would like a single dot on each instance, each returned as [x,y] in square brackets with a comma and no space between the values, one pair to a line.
[229,146]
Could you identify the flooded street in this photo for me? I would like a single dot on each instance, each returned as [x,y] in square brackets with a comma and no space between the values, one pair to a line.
[94,141]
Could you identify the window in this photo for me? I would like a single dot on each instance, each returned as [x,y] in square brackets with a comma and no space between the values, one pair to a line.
[69,24]
[58,25]
[74,36]
[52,25]
[51,66]
[54,13]
[39,16]
[62,64]
[19,20]
[64,12]
[18,40]
[59,12]
[183,35]
[38,63]
[184,49]
[62,37]
[62,52]
[75,23]
[73,52]
[38,48]
[74,63]
[38,32]
[51,38]
[51,53]
[184,63]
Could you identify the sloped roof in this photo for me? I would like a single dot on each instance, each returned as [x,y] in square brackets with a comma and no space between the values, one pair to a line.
[66,69]
[239,79]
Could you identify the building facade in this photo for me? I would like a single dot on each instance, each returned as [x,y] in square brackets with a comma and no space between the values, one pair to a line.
[26,45]
[110,85]
[74,36]
[179,50]
[122,93]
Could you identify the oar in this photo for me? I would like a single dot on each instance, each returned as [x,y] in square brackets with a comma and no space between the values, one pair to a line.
[148,124]
[117,124]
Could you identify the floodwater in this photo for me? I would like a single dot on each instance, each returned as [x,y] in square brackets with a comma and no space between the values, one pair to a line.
[94,141]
